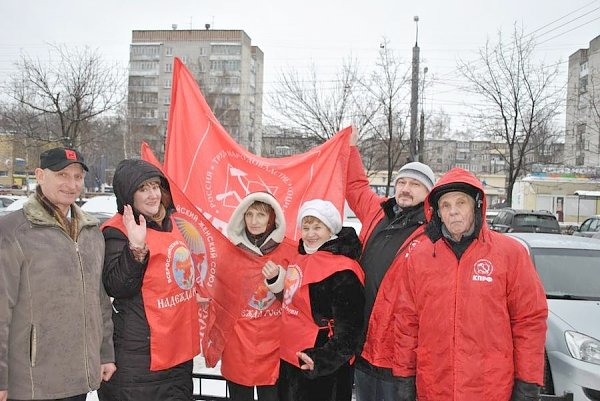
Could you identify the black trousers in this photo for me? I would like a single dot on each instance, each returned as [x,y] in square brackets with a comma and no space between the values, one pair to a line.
[237,392]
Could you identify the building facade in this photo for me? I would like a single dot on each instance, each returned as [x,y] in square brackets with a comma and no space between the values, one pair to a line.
[281,142]
[18,161]
[582,135]
[227,67]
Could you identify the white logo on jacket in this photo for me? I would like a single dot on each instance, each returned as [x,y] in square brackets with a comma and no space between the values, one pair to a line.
[413,244]
[482,270]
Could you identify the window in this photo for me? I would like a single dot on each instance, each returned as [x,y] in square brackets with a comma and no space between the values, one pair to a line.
[283,151]
[232,49]
[168,51]
[225,65]
[168,67]
[143,65]
[142,81]
[167,83]
[147,50]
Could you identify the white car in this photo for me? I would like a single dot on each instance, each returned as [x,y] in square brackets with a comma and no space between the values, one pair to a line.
[350,219]
[569,268]
[16,205]
[7,200]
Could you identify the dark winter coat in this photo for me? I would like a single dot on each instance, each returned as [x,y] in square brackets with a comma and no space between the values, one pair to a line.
[123,277]
[385,231]
[339,297]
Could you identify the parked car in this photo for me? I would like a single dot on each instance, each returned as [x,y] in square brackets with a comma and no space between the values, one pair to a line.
[517,220]
[6,200]
[15,205]
[490,214]
[570,272]
[589,227]
[103,207]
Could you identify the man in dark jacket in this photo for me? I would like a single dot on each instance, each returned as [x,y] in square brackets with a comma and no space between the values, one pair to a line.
[55,326]
[472,301]
[388,226]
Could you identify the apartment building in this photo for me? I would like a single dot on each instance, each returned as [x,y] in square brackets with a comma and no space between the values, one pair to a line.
[227,67]
[582,129]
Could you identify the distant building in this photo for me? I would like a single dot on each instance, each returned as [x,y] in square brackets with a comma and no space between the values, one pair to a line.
[228,69]
[281,142]
[582,135]
[17,160]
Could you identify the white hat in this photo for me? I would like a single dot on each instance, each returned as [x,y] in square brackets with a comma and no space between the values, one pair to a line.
[417,171]
[324,211]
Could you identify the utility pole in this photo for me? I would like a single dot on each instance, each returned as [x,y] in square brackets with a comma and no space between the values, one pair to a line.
[421,146]
[414,96]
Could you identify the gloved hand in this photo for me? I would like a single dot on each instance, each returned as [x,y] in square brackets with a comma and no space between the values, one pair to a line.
[523,391]
[406,389]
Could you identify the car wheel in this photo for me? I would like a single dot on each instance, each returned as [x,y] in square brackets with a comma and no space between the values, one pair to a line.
[548,384]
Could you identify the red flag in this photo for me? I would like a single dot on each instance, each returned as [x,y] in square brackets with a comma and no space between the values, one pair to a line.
[215,173]
[222,269]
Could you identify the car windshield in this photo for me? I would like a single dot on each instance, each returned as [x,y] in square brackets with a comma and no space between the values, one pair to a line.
[569,273]
[523,220]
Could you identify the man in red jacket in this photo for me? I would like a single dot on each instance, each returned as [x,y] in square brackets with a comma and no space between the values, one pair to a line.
[389,226]
[471,314]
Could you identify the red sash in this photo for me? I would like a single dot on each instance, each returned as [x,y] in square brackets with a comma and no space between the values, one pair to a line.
[168,292]
[299,330]
[251,354]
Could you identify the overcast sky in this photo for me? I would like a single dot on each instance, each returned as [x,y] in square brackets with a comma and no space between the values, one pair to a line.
[301,33]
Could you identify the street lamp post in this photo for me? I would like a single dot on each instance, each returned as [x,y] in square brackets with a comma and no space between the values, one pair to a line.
[414,95]
[422,123]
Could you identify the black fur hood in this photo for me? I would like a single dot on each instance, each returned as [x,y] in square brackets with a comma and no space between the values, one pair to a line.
[346,244]
[130,173]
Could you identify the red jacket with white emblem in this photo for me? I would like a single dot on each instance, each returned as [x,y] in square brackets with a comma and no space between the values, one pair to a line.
[469,327]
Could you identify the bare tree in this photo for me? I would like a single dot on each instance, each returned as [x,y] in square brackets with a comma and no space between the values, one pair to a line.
[438,125]
[61,96]
[375,105]
[104,148]
[319,108]
[519,98]
[388,89]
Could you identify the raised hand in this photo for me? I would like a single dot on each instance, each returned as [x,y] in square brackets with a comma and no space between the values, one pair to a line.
[135,232]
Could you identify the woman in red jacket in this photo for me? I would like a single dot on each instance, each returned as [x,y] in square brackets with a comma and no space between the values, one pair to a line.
[251,355]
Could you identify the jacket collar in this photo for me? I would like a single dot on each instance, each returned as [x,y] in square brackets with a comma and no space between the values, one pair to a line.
[36,214]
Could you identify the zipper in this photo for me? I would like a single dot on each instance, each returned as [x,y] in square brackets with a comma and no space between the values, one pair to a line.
[85,344]
[32,345]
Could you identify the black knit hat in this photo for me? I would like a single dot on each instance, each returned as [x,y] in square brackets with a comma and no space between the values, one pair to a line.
[468,189]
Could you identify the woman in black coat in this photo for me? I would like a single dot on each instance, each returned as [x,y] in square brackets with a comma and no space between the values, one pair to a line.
[144,210]
[322,308]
